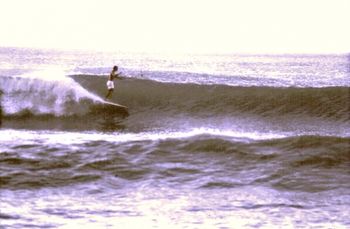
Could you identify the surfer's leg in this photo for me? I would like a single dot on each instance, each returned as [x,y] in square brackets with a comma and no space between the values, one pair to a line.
[109,93]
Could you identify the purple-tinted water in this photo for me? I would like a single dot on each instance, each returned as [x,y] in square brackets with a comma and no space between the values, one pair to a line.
[230,141]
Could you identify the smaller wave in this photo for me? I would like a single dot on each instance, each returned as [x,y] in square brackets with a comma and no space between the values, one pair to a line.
[86,157]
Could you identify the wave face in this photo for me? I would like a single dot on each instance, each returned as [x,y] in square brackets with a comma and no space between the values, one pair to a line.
[328,103]
[225,105]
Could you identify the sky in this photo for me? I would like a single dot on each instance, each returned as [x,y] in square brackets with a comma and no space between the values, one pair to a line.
[195,26]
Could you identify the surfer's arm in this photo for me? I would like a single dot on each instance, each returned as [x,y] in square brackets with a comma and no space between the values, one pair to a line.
[118,75]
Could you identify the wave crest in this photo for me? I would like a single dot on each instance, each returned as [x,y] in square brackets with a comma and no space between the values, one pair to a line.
[44,93]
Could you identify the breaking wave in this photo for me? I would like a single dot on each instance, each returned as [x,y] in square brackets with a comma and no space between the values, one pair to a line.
[44,93]
[70,102]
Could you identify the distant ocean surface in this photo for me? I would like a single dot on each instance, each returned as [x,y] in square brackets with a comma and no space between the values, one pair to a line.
[212,141]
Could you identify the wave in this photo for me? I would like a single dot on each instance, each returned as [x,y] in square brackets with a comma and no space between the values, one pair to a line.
[68,103]
[270,161]
[208,100]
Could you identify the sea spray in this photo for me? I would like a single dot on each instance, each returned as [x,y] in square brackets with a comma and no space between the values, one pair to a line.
[47,92]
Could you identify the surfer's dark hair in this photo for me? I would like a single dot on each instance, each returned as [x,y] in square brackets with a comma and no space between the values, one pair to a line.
[115,67]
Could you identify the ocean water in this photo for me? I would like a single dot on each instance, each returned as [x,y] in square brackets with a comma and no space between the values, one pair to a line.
[211,141]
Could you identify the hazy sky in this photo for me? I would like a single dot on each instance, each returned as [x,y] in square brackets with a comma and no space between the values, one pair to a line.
[259,26]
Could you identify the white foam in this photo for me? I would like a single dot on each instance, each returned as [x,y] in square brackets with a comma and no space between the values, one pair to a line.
[71,138]
[47,91]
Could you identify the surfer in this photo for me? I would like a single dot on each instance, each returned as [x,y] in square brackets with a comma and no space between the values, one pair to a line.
[110,83]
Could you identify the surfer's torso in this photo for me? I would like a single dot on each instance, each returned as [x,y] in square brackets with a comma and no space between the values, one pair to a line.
[112,75]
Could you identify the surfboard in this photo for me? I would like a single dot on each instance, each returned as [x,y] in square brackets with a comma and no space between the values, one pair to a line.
[110,108]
